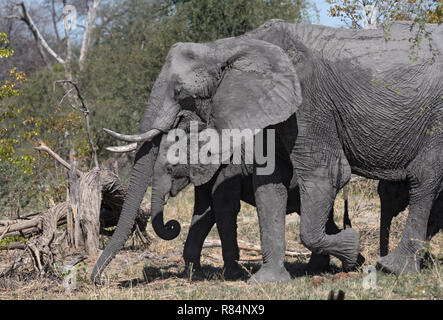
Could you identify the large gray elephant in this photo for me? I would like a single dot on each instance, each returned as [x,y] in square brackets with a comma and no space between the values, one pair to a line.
[340,101]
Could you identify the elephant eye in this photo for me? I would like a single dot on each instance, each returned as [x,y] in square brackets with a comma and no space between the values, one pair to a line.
[188,103]
[169,169]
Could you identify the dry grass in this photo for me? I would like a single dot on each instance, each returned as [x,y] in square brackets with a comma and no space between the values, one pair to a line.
[160,276]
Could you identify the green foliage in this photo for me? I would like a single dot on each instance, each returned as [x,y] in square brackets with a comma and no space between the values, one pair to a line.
[10,89]
[29,110]
[208,20]
[5,51]
[119,74]
[14,164]
[9,240]
[419,11]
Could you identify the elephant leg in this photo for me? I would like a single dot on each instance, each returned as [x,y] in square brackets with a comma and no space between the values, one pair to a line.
[202,221]
[318,188]
[271,199]
[321,262]
[226,196]
[406,257]
[423,190]
[394,198]
[435,223]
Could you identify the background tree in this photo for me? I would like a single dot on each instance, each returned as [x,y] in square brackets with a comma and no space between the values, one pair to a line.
[351,12]
[123,66]
[11,160]
[126,49]
[420,12]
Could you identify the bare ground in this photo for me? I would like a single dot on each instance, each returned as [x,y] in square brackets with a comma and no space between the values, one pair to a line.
[157,273]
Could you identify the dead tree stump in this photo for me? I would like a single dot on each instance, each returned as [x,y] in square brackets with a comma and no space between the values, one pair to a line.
[93,207]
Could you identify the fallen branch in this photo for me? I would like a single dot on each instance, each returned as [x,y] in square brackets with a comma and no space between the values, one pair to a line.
[14,246]
[33,226]
[247,246]
[4,232]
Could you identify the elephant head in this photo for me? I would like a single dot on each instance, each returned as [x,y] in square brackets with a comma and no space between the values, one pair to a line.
[234,83]
[170,177]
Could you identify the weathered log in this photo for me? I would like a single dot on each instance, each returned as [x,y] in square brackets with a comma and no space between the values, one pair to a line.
[89,202]
[14,246]
[93,206]
[97,208]
[33,226]
[21,219]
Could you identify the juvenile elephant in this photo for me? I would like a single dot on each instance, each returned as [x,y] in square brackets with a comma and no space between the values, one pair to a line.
[218,202]
[339,100]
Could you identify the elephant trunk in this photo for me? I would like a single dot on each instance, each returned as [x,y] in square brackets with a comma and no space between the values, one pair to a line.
[171,229]
[140,176]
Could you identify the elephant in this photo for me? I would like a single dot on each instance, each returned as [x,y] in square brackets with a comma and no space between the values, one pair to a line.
[394,199]
[218,202]
[339,102]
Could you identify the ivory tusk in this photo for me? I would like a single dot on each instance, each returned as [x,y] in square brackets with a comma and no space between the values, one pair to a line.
[123,149]
[147,136]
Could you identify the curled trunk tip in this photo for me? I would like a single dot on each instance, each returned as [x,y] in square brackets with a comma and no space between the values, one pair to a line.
[168,231]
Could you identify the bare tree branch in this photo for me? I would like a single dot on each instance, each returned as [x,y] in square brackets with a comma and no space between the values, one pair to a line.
[54,24]
[247,246]
[44,147]
[92,14]
[85,112]
[38,36]
[67,64]
[12,17]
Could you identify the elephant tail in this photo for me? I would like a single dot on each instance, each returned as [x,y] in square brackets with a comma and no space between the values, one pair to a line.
[346,220]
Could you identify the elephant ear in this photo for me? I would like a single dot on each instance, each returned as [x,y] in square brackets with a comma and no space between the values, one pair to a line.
[199,173]
[202,172]
[259,86]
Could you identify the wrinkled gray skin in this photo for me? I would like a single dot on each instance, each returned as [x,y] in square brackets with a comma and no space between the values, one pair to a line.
[340,101]
[218,202]
[394,198]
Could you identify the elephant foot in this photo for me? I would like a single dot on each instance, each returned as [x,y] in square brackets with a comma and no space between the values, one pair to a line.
[318,263]
[193,272]
[270,274]
[348,250]
[97,281]
[232,271]
[360,261]
[399,263]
